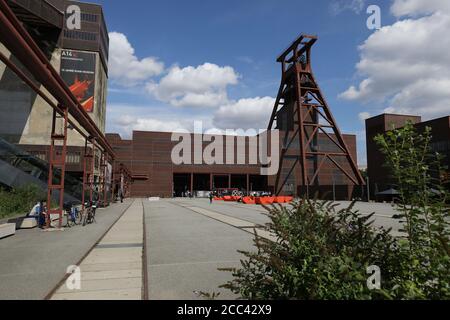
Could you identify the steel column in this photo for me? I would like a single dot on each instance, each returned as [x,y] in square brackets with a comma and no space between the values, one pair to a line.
[57,161]
[88,172]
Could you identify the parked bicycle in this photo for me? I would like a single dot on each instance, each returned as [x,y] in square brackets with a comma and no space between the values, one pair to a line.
[89,214]
[72,214]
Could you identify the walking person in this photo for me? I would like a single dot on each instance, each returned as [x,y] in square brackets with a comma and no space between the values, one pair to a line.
[211,197]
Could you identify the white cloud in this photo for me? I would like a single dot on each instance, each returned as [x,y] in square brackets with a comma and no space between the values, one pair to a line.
[405,67]
[201,86]
[416,7]
[252,113]
[339,6]
[148,124]
[363,116]
[125,68]
[124,118]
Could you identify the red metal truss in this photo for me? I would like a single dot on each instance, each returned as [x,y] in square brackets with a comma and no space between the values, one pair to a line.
[303,116]
[57,161]
[103,191]
[121,181]
[88,173]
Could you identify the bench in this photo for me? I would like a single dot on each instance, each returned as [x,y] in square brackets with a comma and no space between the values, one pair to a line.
[28,223]
[7,230]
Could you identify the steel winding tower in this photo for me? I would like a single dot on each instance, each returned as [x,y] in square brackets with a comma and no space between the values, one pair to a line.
[310,137]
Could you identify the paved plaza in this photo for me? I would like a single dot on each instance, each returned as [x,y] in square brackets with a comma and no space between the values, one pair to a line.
[167,249]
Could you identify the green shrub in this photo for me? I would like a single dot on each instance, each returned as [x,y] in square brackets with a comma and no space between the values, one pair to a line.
[323,253]
[417,174]
[19,200]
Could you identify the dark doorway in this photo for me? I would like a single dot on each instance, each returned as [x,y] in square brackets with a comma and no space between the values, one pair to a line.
[221,182]
[181,184]
[239,182]
[202,182]
[258,183]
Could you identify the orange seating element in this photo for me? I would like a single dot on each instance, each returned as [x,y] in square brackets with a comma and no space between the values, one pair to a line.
[288,199]
[249,200]
[280,200]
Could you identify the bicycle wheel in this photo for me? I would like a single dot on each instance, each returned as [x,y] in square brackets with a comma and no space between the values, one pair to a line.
[85,219]
[80,217]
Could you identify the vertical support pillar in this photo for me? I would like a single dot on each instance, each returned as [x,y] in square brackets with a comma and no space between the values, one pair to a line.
[300,119]
[211,181]
[88,172]
[229,181]
[192,184]
[113,182]
[102,179]
[105,189]
[248,184]
[57,160]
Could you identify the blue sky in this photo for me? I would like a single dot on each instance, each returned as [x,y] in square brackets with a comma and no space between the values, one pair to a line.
[246,36]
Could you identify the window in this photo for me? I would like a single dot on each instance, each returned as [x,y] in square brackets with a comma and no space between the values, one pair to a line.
[73,158]
[80,35]
[89,17]
[40,155]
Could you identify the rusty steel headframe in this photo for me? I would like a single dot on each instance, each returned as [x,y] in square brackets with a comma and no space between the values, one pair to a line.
[305,120]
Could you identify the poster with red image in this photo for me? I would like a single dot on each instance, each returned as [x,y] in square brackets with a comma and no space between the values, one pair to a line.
[78,71]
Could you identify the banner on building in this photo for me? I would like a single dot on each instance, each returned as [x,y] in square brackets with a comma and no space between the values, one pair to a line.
[78,71]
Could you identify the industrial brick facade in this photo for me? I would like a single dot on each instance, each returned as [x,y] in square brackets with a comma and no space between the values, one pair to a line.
[148,156]
[379,176]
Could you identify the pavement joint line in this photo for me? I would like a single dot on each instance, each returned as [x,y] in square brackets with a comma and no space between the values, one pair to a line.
[252,224]
[119,246]
[207,213]
[257,209]
[66,276]
[145,276]
[190,263]
[94,290]
[242,228]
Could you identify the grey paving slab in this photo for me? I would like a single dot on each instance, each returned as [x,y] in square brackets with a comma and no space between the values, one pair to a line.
[117,266]
[111,274]
[106,285]
[235,222]
[185,249]
[103,279]
[255,213]
[252,213]
[33,262]
[125,294]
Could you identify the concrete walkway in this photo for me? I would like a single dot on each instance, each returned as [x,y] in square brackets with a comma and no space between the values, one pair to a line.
[113,269]
[33,262]
[185,249]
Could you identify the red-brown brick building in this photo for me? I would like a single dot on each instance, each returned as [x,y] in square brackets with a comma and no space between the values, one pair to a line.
[148,156]
[379,177]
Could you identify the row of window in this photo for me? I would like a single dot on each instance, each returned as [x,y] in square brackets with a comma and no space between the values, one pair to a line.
[80,35]
[89,17]
[71,158]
